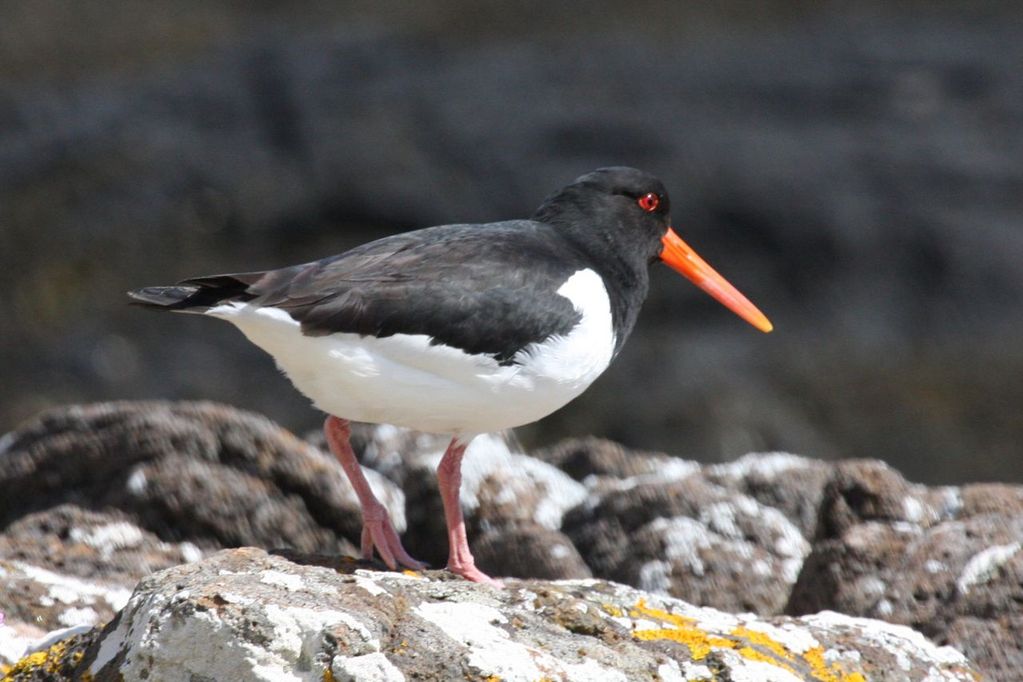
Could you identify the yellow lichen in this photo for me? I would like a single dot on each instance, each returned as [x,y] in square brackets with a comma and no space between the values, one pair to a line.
[612,610]
[682,630]
[825,673]
[33,660]
[48,661]
[762,639]
[751,654]
[752,645]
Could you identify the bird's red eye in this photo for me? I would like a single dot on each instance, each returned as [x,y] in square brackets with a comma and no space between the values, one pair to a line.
[649,202]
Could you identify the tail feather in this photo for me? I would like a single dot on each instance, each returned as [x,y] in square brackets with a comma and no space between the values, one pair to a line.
[193,295]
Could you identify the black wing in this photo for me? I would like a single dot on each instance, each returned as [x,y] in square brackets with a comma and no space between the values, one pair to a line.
[482,288]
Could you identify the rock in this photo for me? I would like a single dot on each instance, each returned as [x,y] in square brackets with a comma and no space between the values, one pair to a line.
[948,561]
[690,538]
[584,457]
[731,536]
[68,567]
[87,544]
[499,488]
[54,658]
[243,614]
[197,472]
[110,493]
[529,550]
[34,601]
[789,483]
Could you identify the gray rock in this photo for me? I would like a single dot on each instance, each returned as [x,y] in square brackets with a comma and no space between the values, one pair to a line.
[691,539]
[590,456]
[529,550]
[90,544]
[948,561]
[791,484]
[68,567]
[198,472]
[35,600]
[242,614]
[500,487]
[109,493]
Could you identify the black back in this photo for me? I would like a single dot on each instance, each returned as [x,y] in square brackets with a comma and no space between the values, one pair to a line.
[487,289]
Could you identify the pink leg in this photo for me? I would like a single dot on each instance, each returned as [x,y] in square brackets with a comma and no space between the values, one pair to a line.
[449,479]
[377,529]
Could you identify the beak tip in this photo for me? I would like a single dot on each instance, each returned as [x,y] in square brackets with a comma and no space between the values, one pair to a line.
[677,255]
[760,321]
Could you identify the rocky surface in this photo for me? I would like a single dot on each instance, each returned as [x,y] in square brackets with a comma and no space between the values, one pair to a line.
[947,561]
[243,614]
[690,537]
[90,544]
[67,567]
[768,533]
[221,476]
[501,489]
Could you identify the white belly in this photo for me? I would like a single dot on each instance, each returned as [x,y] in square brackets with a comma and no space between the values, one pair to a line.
[405,381]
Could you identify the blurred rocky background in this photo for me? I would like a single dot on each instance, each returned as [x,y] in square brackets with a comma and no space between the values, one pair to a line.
[855,167]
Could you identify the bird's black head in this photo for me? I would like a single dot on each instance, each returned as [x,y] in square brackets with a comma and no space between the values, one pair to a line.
[619,218]
[619,208]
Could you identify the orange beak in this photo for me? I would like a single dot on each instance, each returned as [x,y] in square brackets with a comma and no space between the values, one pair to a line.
[679,256]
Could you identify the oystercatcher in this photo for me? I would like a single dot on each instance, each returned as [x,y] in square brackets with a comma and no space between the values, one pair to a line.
[460,329]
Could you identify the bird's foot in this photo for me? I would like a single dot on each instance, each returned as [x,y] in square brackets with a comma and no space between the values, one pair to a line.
[378,533]
[469,571]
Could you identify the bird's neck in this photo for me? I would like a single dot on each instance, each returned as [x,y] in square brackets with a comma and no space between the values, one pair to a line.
[622,267]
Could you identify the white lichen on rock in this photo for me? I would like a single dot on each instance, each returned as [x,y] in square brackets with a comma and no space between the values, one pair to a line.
[983,565]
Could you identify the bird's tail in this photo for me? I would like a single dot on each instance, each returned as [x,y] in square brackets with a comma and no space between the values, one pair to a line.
[196,295]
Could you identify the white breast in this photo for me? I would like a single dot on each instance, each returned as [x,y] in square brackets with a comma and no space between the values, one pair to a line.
[403,380]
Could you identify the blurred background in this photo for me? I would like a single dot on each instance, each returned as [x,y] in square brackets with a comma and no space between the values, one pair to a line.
[856,168]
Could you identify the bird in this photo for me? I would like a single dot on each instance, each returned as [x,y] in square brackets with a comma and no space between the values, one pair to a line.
[460,329]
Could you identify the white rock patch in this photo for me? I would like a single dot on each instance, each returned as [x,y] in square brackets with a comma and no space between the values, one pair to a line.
[73,591]
[902,640]
[110,537]
[655,576]
[765,465]
[373,667]
[286,580]
[368,585]
[670,672]
[982,567]
[78,617]
[745,670]
[494,653]
[797,640]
